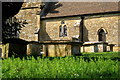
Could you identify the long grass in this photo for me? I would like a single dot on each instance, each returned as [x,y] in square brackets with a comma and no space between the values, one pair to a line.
[60,67]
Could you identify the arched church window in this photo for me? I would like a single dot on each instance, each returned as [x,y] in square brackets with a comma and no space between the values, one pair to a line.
[102,35]
[63,31]
[60,33]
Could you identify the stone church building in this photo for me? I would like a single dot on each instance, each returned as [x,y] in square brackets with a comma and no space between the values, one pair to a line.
[88,22]
[64,28]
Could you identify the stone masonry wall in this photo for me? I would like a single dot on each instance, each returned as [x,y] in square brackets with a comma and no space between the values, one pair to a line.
[110,24]
[50,29]
[28,13]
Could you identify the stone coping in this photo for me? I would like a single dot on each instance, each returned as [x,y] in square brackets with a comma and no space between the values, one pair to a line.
[111,44]
[57,42]
[94,43]
[20,41]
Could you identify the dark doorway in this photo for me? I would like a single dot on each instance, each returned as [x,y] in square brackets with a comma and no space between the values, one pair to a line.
[102,35]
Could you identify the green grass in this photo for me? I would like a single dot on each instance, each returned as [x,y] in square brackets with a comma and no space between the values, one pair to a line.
[60,67]
[105,54]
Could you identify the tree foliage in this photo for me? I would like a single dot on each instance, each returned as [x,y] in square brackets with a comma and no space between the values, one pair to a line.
[10,25]
[11,28]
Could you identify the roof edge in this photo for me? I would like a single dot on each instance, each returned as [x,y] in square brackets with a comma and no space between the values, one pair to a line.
[92,14]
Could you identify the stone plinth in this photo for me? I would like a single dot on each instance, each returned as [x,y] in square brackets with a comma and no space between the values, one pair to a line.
[34,48]
[61,48]
[111,47]
[95,47]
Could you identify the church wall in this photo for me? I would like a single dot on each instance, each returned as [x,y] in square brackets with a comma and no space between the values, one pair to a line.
[51,29]
[110,24]
[29,12]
